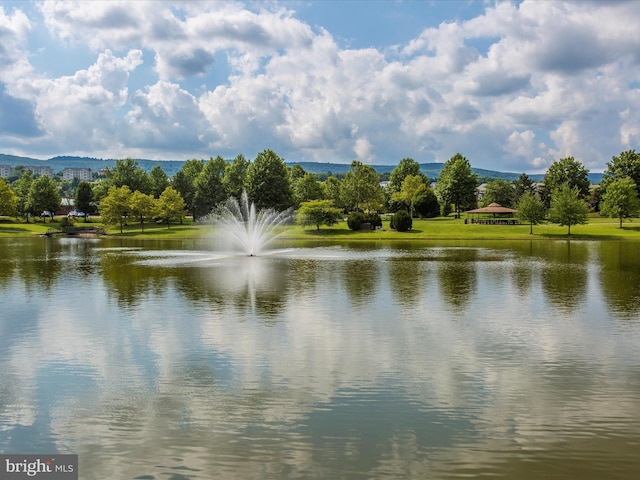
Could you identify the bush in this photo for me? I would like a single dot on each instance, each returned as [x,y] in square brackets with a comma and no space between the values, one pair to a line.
[65,222]
[401,221]
[356,219]
[373,218]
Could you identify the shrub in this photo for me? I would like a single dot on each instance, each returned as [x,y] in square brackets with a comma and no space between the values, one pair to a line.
[373,218]
[401,221]
[65,222]
[356,219]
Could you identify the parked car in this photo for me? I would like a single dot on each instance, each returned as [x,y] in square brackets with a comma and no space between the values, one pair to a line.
[75,213]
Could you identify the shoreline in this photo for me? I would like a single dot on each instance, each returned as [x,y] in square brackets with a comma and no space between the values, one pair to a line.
[445,229]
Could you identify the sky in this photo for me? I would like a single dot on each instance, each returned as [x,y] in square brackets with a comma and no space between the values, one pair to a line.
[511,85]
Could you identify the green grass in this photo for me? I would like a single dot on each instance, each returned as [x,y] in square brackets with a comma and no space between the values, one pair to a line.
[455,229]
[423,229]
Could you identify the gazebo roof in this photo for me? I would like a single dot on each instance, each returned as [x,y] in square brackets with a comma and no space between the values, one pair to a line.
[493,208]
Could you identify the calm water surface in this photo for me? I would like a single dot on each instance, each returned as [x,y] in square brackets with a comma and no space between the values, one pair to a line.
[366,361]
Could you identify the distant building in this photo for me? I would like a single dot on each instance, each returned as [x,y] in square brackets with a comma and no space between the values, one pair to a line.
[5,170]
[40,170]
[481,191]
[82,174]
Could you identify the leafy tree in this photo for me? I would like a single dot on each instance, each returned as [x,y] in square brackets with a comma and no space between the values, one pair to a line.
[361,188]
[84,199]
[184,182]
[620,200]
[21,187]
[8,200]
[567,207]
[159,180]
[531,209]
[234,176]
[128,172]
[116,205]
[426,204]
[141,205]
[170,205]
[209,188]
[627,164]
[595,199]
[319,212]
[268,182]
[522,185]
[500,191]
[43,195]
[406,167]
[297,172]
[457,184]
[331,189]
[307,188]
[413,187]
[568,171]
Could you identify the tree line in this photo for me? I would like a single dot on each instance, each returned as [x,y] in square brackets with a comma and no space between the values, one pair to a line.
[565,195]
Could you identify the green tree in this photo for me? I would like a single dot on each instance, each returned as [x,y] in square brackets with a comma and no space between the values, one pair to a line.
[500,191]
[8,200]
[620,200]
[457,184]
[184,182]
[141,206]
[268,182]
[209,187]
[43,195]
[21,187]
[319,212]
[235,174]
[84,199]
[159,180]
[307,188]
[413,187]
[568,171]
[522,185]
[331,190]
[627,164]
[530,209]
[115,206]
[170,205]
[567,207]
[426,204]
[128,172]
[297,172]
[406,167]
[360,188]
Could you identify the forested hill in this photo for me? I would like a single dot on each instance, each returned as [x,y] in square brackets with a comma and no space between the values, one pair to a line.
[171,167]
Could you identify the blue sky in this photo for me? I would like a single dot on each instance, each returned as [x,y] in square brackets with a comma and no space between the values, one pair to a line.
[513,86]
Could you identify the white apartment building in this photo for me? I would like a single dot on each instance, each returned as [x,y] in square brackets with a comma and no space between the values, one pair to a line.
[37,170]
[82,174]
[5,170]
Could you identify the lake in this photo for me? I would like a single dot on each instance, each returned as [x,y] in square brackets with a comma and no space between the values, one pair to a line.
[439,360]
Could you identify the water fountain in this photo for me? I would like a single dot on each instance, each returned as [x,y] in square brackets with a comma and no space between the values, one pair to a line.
[248,229]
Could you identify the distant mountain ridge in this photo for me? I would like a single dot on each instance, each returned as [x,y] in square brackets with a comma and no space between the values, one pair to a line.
[171,167]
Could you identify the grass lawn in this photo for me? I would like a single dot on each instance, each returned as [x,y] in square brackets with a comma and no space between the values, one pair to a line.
[423,229]
[456,229]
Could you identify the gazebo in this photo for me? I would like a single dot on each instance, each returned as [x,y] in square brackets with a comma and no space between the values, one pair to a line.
[499,215]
